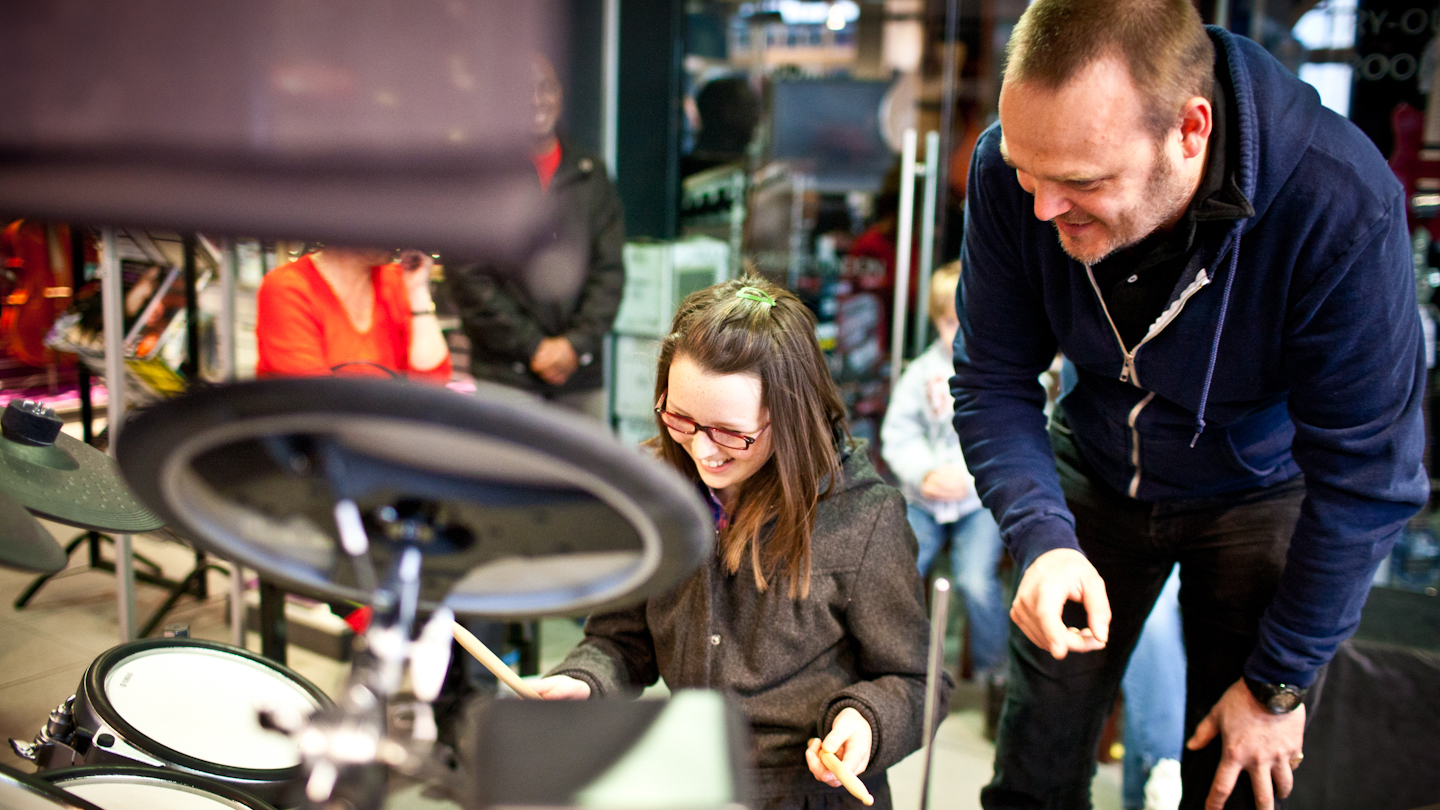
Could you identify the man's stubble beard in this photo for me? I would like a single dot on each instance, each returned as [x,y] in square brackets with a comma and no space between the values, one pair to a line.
[1165,196]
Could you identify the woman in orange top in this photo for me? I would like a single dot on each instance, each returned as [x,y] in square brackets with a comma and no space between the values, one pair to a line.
[344,305]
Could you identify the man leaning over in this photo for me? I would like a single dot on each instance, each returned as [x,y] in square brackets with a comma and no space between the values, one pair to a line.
[1232,281]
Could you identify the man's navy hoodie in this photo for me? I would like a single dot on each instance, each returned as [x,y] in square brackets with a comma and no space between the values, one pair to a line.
[1292,344]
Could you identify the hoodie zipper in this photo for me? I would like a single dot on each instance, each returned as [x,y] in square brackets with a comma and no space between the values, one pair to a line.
[1128,372]
[1135,441]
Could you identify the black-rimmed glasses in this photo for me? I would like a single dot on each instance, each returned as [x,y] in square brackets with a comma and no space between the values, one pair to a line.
[725,438]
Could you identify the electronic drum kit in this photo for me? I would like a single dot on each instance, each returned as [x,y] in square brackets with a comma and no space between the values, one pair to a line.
[424,504]
[420,502]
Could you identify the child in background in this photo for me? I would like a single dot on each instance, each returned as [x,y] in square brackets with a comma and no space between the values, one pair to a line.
[918,441]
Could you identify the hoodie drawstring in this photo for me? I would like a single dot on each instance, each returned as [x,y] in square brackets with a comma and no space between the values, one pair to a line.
[1215,346]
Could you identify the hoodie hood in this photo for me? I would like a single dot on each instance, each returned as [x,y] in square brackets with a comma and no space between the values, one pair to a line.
[1296,114]
[1292,110]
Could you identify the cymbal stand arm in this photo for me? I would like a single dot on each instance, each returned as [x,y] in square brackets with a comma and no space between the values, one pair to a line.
[356,543]
[346,751]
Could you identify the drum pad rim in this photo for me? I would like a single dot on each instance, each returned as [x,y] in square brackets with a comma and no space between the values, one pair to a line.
[94,682]
[185,778]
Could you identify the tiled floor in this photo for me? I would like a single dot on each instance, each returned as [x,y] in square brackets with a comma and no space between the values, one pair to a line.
[45,648]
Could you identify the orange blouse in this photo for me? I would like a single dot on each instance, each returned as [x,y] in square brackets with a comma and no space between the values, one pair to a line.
[303,330]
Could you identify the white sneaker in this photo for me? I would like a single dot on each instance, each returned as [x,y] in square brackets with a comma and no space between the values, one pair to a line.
[1162,788]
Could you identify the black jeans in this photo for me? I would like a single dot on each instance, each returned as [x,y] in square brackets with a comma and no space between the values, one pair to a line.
[1231,550]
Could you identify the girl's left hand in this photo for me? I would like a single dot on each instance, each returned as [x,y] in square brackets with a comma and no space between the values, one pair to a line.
[849,739]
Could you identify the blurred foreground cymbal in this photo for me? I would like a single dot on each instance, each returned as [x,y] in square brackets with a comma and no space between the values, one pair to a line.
[517,508]
[24,543]
[61,478]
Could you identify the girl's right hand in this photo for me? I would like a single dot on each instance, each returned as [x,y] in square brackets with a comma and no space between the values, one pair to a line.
[562,687]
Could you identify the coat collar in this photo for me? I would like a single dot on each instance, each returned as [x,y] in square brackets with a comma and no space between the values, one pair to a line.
[575,165]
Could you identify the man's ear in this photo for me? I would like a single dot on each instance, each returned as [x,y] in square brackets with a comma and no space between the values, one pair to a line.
[1196,120]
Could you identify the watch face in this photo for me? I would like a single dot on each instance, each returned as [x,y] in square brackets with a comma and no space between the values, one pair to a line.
[1284,701]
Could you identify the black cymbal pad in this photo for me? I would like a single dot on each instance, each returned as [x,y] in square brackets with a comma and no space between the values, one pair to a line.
[66,480]
[25,545]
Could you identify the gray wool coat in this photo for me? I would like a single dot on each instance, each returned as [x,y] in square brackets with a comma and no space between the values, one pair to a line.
[858,640]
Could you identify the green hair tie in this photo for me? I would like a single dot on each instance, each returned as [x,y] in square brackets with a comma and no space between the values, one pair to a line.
[755,294]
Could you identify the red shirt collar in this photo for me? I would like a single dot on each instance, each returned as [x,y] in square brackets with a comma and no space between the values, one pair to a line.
[546,164]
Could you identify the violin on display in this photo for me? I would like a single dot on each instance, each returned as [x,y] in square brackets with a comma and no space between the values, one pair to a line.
[37,288]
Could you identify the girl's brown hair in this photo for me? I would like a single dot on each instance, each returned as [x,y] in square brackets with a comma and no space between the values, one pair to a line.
[724,333]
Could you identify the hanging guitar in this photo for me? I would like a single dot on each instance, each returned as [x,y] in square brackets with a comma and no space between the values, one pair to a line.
[36,259]
[1415,157]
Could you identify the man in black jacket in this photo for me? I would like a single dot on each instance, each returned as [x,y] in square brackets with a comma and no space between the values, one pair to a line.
[542,329]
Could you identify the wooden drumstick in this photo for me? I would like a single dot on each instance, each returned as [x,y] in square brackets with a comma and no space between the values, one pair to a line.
[848,779]
[492,662]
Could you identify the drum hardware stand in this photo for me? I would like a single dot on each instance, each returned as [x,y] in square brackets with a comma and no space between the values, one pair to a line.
[193,584]
[934,674]
[54,737]
[525,637]
[273,636]
[345,750]
[58,745]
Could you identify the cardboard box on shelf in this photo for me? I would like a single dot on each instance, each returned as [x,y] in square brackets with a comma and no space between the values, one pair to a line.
[658,276]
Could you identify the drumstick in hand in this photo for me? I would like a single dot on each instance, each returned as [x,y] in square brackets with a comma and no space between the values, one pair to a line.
[849,780]
[492,662]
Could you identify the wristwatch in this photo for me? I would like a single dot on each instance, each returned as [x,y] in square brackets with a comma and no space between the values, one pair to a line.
[1277,698]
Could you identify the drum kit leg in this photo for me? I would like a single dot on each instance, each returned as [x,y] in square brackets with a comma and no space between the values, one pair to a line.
[193,584]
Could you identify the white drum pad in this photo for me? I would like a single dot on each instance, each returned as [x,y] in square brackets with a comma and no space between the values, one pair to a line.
[204,703]
[21,797]
[128,793]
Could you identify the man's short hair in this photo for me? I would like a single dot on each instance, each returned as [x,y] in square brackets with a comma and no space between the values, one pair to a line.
[942,290]
[1163,42]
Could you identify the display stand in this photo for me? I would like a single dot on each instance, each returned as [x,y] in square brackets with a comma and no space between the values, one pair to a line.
[194,582]
[226,329]
[113,303]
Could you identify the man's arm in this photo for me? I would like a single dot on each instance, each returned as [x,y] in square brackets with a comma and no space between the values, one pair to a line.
[999,414]
[1356,370]
[999,403]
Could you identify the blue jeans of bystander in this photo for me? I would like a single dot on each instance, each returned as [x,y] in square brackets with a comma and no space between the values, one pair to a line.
[1154,686]
[974,552]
